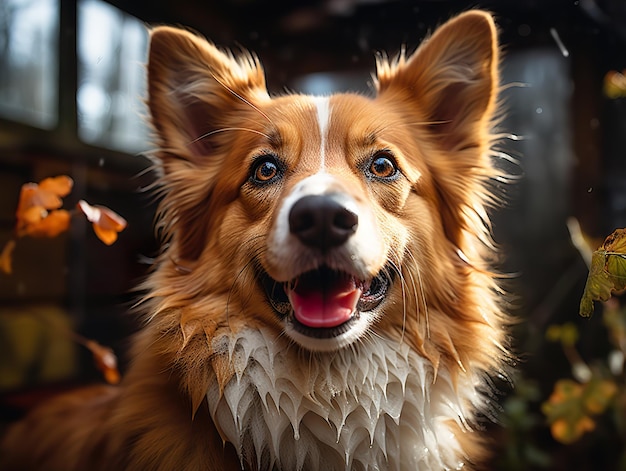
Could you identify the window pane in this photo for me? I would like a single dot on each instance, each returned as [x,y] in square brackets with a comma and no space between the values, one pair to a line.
[112,49]
[29,32]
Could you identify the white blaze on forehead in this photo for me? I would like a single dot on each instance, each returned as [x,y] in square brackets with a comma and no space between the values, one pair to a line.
[322,104]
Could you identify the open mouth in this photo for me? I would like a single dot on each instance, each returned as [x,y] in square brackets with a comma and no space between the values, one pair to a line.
[324,302]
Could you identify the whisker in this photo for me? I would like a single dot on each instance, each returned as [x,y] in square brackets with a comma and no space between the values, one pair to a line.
[429,123]
[397,269]
[233,92]
[404,304]
[420,297]
[418,300]
[215,131]
[506,157]
[509,85]
[251,262]
[404,124]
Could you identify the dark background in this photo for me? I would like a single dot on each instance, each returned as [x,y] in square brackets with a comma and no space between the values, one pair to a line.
[571,165]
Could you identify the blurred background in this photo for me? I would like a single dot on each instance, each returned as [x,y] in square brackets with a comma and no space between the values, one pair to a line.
[71,87]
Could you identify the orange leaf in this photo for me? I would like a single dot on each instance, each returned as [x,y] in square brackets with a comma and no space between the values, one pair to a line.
[599,395]
[28,193]
[60,186]
[585,424]
[105,360]
[32,195]
[564,390]
[562,432]
[106,236]
[52,225]
[568,432]
[34,203]
[33,215]
[106,223]
[6,257]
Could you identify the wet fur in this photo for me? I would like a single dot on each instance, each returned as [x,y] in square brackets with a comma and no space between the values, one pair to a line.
[207,322]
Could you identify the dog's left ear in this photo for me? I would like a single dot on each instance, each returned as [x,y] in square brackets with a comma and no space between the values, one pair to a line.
[449,89]
[451,80]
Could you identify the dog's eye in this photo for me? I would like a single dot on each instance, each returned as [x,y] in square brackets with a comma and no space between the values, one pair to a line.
[265,170]
[383,166]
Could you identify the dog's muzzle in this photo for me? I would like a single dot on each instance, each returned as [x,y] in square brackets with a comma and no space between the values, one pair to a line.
[323,302]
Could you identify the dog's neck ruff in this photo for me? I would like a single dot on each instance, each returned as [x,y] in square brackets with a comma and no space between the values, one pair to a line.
[376,406]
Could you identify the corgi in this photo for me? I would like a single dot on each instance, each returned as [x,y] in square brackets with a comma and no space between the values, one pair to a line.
[325,298]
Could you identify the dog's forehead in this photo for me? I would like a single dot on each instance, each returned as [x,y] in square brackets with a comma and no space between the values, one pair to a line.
[320,130]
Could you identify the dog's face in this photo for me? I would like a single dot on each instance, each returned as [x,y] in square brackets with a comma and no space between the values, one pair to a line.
[333,236]
[328,219]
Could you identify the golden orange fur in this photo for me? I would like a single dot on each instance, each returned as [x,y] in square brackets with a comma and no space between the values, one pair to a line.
[220,377]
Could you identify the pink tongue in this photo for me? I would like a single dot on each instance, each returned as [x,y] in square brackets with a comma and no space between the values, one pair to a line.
[325,304]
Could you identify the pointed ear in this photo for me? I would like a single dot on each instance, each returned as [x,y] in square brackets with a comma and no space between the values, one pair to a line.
[194,91]
[451,79]
[192,88]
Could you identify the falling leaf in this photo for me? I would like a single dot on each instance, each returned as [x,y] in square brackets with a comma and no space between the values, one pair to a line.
[60,186]
[106,223]
[32,196]
[38,213]
[607,273]
[6,257]
[105,360]
[53,224]
[33,215]
[47,193]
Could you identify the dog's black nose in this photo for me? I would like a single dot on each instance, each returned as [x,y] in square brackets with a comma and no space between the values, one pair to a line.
[323,221]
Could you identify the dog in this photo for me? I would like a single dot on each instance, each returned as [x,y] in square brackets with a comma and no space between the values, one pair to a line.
[326,295]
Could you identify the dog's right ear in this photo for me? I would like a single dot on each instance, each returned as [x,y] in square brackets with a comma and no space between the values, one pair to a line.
[193,87]
[195,91]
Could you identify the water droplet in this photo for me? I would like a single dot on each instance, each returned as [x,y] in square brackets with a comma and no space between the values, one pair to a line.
[524,30]
[559,43]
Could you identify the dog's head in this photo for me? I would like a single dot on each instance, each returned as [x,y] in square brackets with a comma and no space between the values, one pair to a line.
[329,219]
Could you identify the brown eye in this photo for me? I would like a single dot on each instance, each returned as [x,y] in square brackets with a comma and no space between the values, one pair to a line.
[265,170]
[383,166]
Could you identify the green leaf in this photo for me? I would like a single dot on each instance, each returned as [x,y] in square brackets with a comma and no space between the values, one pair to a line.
[598,395]
[571,408]
[569,334]
[607,273]
[566,334]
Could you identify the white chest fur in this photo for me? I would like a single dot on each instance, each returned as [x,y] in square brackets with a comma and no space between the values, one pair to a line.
[376,406]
